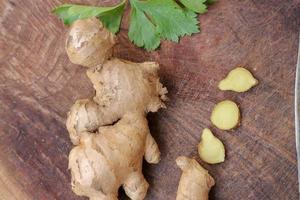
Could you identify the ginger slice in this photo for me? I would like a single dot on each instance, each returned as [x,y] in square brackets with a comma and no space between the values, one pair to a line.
[238,80]
[211,149]
[225,115]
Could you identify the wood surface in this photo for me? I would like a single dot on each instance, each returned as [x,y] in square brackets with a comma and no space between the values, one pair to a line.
[38,85]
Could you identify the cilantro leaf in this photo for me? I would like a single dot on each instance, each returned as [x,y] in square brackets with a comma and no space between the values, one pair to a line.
[141,31]
[110,16]
[112,19]
[197,6]
[210,2]
[160,20]
[150,20]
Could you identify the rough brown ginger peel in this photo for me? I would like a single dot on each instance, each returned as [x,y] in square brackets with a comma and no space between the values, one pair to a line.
[110,130]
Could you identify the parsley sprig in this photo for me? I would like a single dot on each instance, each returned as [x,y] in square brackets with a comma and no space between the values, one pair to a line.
[150,20]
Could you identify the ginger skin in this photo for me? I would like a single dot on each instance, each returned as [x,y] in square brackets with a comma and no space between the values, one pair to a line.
[89,44]
[110,130]
[195,181]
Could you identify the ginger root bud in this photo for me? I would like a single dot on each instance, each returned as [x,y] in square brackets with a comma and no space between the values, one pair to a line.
[89,43]
[225,115]
[195,181]
[238,80]
[211,149]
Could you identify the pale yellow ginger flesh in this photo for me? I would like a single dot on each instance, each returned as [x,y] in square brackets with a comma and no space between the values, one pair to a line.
[110,130]
[225,115]
[195,181]
[238,80]
[210,148]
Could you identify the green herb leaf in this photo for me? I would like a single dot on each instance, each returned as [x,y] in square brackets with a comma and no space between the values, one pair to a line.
[197,6]
[153,20]
[150,20]
[112,19]
[210,2]
[110,16]
[141,31]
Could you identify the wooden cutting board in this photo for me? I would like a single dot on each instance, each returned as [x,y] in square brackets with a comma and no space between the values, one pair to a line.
[38,85]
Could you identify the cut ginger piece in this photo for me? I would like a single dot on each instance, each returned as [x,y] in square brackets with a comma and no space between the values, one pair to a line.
[211,149]
[195,181]
[238,80]
[225,115]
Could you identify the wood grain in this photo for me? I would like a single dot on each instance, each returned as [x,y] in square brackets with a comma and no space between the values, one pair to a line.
[38,85]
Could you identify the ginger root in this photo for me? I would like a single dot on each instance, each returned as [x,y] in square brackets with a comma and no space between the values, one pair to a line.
[110,130]
[195,182]
[211,149]
[225,115]
[238,80]
[89,43]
